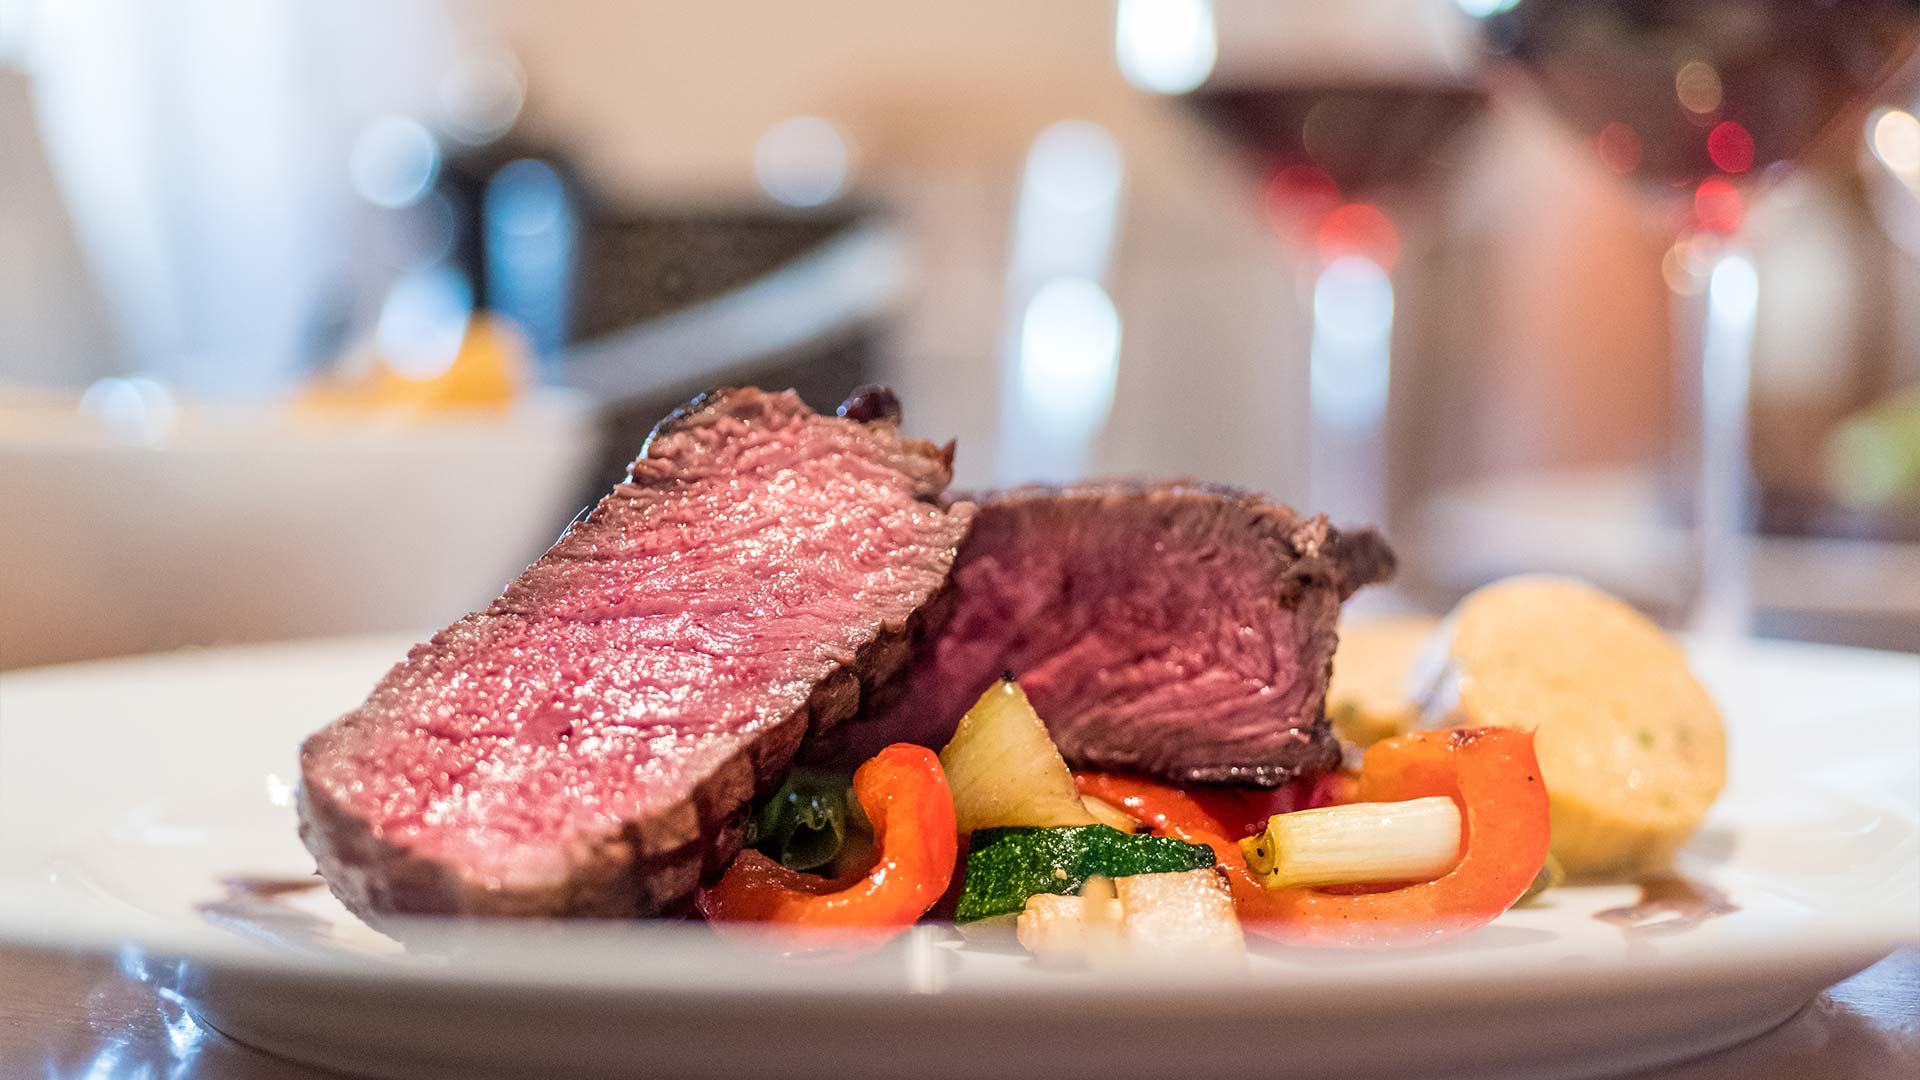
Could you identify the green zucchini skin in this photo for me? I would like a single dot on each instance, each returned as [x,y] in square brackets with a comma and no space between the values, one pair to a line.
[1007,865]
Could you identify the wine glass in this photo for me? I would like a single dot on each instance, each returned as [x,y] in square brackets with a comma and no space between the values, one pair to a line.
[1344,120]
[1701,102]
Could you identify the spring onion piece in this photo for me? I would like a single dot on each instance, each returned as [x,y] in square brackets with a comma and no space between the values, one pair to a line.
[1358,843]
[804,825]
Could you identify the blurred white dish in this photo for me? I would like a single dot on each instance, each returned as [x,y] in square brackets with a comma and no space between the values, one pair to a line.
[263,523]
[132,790]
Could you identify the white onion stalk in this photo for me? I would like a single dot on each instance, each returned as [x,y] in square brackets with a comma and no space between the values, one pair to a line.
[1359,843]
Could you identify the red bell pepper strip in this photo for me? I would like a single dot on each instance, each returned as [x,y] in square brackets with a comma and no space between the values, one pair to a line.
[1490,772]
[904,793]
[1244,811]
[1221,812]
[1166,810]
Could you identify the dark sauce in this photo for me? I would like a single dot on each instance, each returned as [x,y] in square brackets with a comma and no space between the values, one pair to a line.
[265,888]
[255,907]
[1669,904]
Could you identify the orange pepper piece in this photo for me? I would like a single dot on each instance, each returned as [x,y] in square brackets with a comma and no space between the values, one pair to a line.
[904,793]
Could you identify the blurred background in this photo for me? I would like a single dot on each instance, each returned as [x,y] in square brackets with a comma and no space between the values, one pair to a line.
[326,317]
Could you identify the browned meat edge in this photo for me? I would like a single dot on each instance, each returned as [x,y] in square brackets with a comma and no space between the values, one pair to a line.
[651,867]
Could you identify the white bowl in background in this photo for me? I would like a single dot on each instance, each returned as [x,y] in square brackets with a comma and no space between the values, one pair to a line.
[265,523]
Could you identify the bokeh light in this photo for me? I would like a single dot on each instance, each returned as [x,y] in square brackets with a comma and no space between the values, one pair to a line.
[137,410]
[423,322]
[1358,229]
[1733,290]
[1069,202]
[1894,137]
[1165,46]
[1298,198]
[1351,354]
[802,161]
[1069,355]
[529,232]
[393,162]
[1717,205]
[1697,85]
[1619,147]
[1730,146]
[1688,262]
[481,96]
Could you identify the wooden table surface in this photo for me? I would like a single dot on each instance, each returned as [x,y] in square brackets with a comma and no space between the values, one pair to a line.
[79,1018]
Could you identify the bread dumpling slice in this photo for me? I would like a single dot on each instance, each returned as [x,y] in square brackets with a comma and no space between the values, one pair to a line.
[1631,745]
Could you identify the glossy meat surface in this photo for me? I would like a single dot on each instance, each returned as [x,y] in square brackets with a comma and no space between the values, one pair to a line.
[588,743]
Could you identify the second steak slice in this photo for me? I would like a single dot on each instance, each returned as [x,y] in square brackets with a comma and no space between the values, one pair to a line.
[1179,630]
[589,743]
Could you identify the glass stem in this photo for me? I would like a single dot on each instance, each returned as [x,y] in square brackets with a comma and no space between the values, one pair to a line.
[1349,370]
[1720,310]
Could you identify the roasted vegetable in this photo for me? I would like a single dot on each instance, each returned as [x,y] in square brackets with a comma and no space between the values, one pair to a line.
[1108,814]
[904,793]
[1164,809]
[1490,773]
[1005,866]
[1244,811]
[1183,915]
[1187,915]
[1070,929]
[1417,840]
[804,825]
[1004,769]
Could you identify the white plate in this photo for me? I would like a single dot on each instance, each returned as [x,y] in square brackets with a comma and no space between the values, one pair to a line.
[129,790]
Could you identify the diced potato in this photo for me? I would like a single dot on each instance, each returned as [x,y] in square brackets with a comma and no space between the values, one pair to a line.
[1144,917]
[1188,914]
[1057,927]
[1003,768]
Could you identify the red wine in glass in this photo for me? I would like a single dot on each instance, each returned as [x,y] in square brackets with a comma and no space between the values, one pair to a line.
[1690,97]
[1363,134]
[1678,91]
[1321,142]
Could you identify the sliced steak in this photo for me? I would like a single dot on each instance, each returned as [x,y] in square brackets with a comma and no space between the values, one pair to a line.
[589,743]
[1177,630]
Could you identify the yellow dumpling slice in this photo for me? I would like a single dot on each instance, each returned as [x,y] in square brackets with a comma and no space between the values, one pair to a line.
[1631,746]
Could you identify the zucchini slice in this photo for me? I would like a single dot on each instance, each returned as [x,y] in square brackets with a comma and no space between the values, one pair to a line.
[1005,866]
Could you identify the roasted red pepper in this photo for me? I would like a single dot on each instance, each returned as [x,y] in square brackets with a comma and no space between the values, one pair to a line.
[904,793]
[1244,811]
[1490,772]
[1164,809]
